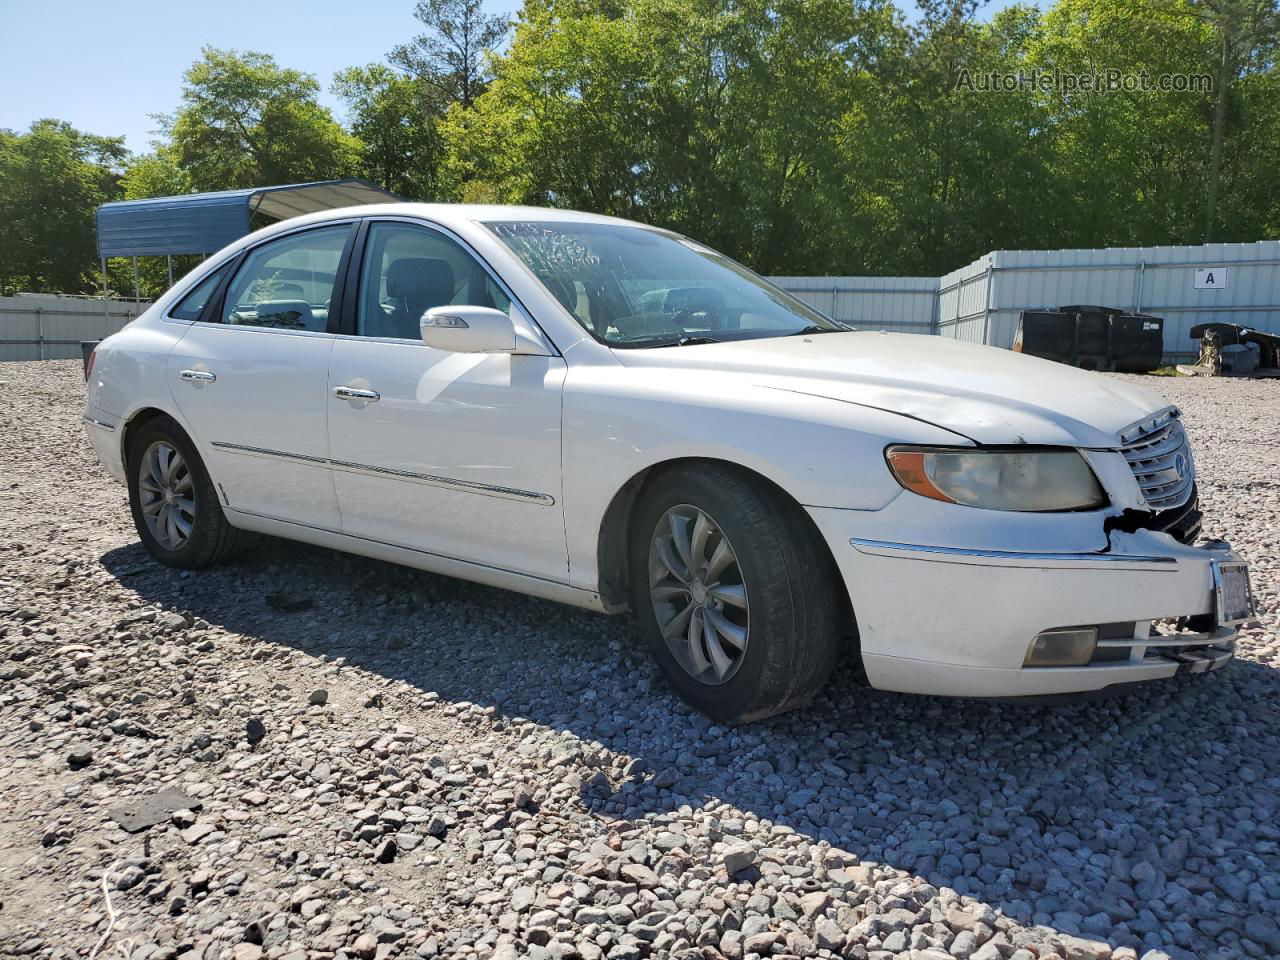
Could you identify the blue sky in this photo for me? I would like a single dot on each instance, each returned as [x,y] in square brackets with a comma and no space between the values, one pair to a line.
[106,66]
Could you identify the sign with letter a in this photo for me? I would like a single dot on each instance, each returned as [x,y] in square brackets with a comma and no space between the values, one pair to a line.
[1211,278]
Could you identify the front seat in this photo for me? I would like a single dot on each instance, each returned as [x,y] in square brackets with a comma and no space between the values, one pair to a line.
[414,285]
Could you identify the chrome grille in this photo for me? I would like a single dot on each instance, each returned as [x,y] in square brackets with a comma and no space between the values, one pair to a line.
[1160,459]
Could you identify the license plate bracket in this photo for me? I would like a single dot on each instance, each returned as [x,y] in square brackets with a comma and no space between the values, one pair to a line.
[1232,592]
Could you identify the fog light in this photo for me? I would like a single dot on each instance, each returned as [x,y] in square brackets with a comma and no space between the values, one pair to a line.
[1066,647]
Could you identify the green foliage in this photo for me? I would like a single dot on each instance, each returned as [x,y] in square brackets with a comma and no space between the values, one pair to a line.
[396,120]
[449,55]
[52,179]
[244,121]
[801,136]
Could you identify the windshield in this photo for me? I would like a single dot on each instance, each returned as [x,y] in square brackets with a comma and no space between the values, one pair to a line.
[636,287]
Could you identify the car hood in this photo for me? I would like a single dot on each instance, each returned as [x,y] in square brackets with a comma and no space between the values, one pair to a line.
[989,395]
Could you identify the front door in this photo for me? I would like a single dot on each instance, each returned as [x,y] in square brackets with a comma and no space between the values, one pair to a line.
[453,454]
[252,383]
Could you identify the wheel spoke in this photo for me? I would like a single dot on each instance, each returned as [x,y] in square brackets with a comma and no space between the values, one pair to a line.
[186,505]
[181,523]
[670,561]
[720,560]
[171,526]
[172,467]
[669,591]
[697,659]
[156,467]
[677,624]
[183,483]
[731,594]
[680,539]
[698,542]
[721,662]
[736,635]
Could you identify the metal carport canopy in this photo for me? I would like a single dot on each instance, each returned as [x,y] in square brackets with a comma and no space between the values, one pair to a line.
[205,222]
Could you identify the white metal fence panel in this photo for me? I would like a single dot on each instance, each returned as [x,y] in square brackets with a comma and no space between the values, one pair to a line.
[963,299]
[981,302]
[40,327]
[898,304]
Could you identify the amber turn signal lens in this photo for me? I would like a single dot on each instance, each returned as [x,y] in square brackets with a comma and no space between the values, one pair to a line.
[908,466]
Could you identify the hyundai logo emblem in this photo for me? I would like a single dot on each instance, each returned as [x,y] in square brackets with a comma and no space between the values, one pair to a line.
[1180,465]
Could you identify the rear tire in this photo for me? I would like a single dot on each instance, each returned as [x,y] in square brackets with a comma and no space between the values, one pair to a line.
[744,587]
[174,502]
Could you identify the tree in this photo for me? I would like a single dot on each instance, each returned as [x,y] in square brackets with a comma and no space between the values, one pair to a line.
[396,120]
[52,179]
[450,54]
[1246,34]
[244,121]
[714,117]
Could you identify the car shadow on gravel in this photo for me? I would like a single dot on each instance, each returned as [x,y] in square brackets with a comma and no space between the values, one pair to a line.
[1153,813]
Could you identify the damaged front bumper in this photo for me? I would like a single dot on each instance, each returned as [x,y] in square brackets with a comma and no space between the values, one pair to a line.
[964,621]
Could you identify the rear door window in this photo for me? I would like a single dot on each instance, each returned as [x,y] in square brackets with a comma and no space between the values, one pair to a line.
[288,284]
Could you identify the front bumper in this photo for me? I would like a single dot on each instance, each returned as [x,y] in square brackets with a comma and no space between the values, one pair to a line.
[955,621]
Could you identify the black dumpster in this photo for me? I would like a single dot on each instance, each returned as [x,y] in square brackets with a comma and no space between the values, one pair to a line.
[1092,338]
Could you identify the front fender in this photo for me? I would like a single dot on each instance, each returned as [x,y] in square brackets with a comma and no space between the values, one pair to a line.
[619,423]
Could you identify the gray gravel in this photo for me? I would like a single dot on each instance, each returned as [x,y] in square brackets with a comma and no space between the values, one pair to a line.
[382,763]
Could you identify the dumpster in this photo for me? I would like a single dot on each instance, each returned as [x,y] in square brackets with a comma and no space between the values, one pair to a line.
[1092,337]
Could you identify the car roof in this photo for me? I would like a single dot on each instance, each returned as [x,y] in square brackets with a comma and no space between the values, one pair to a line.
[474,212]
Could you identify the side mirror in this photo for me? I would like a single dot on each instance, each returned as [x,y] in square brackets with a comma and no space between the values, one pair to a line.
[463,329]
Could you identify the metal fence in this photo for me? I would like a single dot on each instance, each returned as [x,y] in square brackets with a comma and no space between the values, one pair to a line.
[897,304]
[1231,282]
[49,327]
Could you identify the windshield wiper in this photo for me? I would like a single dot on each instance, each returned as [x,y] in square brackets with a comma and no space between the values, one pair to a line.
[814,328]
[690,341]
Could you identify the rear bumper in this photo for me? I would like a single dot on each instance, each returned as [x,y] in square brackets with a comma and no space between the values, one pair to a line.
[103,431]
[954,621]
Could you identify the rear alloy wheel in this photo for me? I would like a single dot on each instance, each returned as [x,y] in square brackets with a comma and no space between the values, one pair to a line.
[174,502]
[734,590]
[166,495]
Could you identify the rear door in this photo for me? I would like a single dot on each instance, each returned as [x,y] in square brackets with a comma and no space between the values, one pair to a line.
[250,377]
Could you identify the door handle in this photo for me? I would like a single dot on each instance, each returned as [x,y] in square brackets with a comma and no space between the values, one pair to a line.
[197,376]
[355,393]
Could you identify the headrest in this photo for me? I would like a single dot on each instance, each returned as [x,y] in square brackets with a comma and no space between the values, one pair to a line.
[422,280]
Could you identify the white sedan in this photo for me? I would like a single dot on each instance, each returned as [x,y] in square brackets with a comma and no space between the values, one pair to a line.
[617,417]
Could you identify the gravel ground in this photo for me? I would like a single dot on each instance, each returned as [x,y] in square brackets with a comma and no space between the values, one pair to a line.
[377,763]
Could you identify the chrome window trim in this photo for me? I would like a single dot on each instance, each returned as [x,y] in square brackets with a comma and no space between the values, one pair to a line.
[449,483]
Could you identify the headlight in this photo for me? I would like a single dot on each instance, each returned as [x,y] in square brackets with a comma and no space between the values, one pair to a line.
[1030,480]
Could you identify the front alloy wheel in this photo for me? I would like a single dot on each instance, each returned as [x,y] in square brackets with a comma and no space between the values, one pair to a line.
[735,591]
[698,596]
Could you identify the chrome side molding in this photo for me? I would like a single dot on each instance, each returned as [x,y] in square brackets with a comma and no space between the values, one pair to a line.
[1011,558]
[449,483]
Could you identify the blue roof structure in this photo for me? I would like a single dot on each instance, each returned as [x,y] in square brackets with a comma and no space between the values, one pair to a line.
[205,222]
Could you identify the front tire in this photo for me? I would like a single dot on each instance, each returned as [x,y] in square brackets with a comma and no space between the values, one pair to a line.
[734,591]
[174,502]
